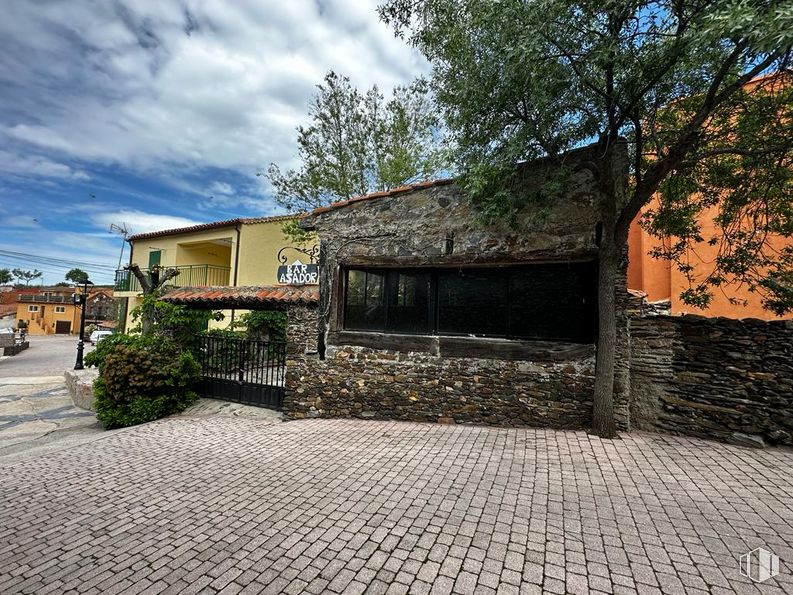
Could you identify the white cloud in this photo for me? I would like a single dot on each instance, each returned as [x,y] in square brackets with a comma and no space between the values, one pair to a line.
[36,166]
[151,85]
[221,188]
[140,222]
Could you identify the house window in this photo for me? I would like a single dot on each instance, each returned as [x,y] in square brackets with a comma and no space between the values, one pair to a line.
[542,301]
[33,308]
[60,309]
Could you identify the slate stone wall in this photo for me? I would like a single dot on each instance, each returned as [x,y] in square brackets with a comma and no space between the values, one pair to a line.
[713,377]
[301,330]
[368,383]
[409,378]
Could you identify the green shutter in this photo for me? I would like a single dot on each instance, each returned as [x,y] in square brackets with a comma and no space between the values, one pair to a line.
[154,258]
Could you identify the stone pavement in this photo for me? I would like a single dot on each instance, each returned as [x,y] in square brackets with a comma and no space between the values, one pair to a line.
[237,505]
[38,416]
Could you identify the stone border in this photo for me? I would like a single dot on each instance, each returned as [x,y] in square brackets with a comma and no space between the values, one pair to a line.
[80,384]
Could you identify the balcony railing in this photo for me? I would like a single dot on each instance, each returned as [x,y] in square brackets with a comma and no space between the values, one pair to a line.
[191,275]
[45,298]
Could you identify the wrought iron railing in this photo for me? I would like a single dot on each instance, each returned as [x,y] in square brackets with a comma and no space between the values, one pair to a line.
[44,298]
[191,275]
[242,370]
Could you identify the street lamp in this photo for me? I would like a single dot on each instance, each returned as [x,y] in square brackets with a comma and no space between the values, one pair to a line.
[81,300]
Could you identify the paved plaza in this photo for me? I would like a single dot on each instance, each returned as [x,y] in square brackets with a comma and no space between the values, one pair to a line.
[239,505]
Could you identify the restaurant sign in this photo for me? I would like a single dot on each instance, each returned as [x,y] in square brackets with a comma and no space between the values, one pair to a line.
[298,273]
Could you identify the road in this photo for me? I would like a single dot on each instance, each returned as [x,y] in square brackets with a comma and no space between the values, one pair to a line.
[47,356]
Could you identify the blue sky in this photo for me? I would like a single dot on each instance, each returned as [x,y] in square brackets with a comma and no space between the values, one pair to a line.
[159,114]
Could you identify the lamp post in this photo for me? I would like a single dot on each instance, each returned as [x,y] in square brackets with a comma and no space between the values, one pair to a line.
[81,300]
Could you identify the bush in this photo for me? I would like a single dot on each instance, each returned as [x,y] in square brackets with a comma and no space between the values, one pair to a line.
[142,380]
[106,346]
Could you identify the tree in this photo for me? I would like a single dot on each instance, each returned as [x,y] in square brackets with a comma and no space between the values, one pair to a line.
[76,276]
[26,276]
[150,283]
[358,143]
[6,276]
[519,80]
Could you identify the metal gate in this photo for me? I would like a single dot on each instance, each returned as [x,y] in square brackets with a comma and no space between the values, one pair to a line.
[242,370]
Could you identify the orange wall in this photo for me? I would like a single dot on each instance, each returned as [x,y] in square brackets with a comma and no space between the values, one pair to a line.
[661,281]
[651,275]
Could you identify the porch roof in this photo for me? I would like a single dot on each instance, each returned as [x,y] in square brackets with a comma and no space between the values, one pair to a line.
[252,297]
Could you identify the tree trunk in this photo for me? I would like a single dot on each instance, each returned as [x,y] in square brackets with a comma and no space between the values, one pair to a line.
[603,422]
[145,280]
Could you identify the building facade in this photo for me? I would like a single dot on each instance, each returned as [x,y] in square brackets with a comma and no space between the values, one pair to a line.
[244,252]
[428,314]
[51,310]
[661,280]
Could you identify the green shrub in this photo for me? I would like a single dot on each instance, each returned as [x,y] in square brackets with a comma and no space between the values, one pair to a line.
[107,345]
[144,380]
[259,324]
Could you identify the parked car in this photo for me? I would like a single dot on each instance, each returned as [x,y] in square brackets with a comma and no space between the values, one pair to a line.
[97,336]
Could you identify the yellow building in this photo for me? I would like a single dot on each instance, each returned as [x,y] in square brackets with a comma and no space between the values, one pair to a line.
[51,310]
[244,252]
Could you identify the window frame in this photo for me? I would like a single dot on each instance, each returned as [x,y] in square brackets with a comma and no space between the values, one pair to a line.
[60,309]
[433,323]
[33,308]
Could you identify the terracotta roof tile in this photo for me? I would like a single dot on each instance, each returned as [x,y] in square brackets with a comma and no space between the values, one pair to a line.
[212,225]
[382,194]
[264,295]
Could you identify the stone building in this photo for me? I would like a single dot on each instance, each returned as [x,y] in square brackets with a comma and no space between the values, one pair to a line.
[428,314]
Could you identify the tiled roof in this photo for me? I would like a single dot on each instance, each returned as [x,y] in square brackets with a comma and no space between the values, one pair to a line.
[244,297]
[392,192]
[212,225]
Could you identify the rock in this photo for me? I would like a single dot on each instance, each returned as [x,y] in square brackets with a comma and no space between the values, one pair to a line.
[750,440]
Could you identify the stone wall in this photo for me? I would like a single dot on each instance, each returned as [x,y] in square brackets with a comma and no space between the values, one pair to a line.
[369,383]
[713,377]
[301,330]
[423,378]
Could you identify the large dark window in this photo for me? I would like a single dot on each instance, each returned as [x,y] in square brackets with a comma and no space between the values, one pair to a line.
[543,301]
[472,302]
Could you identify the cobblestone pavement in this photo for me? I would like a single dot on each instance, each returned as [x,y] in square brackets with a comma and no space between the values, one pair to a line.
[220,504]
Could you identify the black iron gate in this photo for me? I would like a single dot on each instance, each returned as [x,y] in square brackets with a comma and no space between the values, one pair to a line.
[242,370]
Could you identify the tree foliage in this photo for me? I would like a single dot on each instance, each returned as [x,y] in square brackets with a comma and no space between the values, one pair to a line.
[666,78]
[76,276]
[5,276]
[359,142]
[26,276]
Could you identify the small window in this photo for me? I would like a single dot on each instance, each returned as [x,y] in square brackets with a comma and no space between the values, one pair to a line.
[33,308]
[60,309]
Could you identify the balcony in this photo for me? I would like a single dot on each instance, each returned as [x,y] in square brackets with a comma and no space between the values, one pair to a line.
[44,298]
[192,275]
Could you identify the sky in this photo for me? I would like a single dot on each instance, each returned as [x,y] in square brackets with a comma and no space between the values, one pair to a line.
[159,114]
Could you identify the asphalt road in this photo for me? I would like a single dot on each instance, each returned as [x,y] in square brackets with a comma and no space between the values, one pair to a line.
[48,355]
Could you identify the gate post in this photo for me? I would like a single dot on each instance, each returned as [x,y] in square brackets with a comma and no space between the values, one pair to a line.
[301,330]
